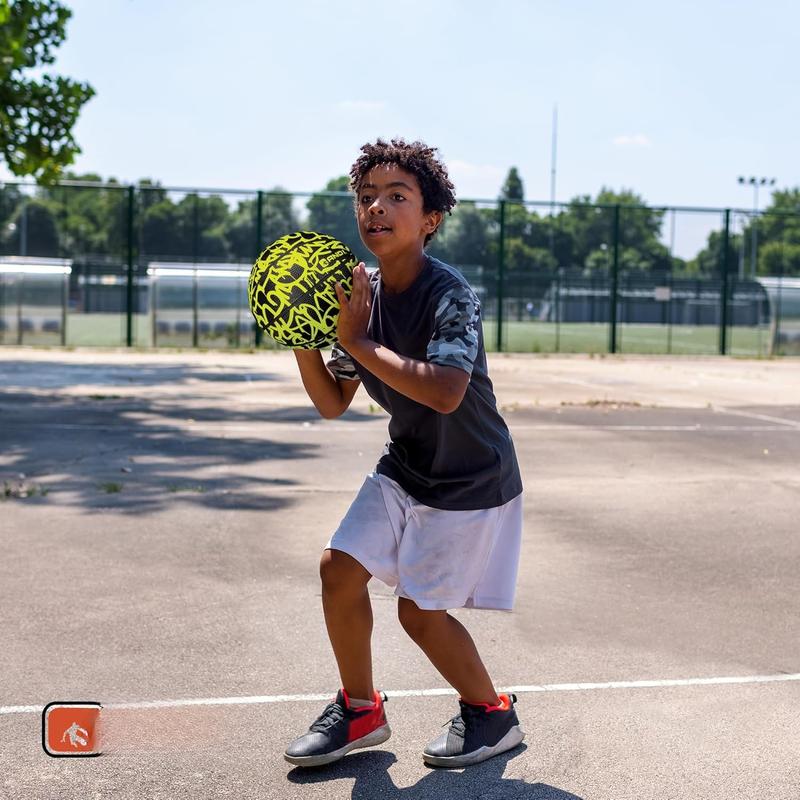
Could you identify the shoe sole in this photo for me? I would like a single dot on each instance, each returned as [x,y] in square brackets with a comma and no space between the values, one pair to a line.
[378,736]
[514,736]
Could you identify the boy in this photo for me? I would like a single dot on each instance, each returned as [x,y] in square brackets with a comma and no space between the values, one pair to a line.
[440,518]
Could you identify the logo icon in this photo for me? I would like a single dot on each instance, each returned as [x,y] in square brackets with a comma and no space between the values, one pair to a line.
[71,729]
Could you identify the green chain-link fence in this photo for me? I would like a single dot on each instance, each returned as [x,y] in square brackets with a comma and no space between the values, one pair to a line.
[148,266]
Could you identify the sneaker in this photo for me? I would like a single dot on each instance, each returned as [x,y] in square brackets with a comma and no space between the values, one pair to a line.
[479,732]
[338,730]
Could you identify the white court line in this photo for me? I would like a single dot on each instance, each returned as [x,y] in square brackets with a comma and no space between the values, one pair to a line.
[667,428]
[762,417]
[543,687]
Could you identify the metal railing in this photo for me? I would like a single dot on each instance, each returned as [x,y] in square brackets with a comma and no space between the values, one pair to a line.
[150,266]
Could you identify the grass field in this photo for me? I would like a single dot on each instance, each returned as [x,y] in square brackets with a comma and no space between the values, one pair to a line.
[108,330]
[544,337]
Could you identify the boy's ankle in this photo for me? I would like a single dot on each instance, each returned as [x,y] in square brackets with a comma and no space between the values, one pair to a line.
[360,699]
[489,703]
[356,702]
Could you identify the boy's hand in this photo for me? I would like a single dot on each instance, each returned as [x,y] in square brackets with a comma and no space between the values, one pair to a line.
[354,312]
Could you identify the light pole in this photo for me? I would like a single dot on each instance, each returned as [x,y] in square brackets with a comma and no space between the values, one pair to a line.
[755,183]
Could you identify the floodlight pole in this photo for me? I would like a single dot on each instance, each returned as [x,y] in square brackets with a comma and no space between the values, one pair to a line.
[755,183]
[554,147]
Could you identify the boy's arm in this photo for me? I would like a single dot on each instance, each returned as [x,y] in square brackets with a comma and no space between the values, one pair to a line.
[437,386]
[434,385]
[330,396]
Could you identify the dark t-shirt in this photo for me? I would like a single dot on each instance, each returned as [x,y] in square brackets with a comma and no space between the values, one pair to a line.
[459,461]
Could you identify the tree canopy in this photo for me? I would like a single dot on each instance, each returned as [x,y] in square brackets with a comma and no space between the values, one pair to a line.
[775,233]
[512,188]
[36,115]
[91,222]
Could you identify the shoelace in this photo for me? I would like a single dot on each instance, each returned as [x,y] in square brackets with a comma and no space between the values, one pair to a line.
[332,714]
[459,725]
[456,725]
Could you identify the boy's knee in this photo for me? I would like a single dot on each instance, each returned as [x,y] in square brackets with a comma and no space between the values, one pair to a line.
[415,621]
[341,572]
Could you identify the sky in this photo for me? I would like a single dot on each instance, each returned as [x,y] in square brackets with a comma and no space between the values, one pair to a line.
[671,100]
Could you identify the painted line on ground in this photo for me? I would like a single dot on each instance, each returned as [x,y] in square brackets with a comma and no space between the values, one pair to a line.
[543,687]
[790,423]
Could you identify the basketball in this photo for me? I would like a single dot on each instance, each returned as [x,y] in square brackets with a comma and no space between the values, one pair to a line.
[291,288]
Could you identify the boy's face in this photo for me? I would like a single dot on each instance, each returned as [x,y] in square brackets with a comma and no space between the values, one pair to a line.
[390,213]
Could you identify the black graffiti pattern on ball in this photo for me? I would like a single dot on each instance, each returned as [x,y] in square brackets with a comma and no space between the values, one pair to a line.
[291,288]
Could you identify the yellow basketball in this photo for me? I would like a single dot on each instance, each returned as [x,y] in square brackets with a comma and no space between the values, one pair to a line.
[291,288]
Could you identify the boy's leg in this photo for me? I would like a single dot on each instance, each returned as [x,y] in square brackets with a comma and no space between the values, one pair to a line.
[451,650]
[345,725]
[487,724]
[348,617]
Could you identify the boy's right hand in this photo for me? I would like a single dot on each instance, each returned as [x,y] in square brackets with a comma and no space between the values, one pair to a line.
[354,312]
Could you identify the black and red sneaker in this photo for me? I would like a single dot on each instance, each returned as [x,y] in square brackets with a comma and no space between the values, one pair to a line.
[479,732]
[338,730]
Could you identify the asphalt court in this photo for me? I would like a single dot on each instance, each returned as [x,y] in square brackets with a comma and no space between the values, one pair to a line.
[160,556]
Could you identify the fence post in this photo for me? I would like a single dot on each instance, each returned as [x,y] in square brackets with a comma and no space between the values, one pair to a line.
[558,309]
[259,334]
[64,302]
[775,346]
[129,283]
[195,258]
[19,306]
[723,292]
[612,307]
[501,268]
[671,285]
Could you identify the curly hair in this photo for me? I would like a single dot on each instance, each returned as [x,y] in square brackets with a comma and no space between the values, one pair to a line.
[438,192]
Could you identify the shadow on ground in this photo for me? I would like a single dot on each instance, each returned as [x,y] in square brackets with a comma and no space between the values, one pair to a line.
[60,375]
[486,781]
[135,454]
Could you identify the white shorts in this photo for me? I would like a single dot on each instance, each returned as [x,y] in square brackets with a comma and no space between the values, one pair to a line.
[438,558]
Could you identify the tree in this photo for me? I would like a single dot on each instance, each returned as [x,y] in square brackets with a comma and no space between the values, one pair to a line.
[193,228]
[777,237]
[591,224]
[150,192]
[463,238]
[32,231]
[240,232]
[781,219]
[92,220]
[512,188]
[708,261]
[10,198]
[779,259]
[160,234]
[36,116]
[336,217]
[522,258]
[279,218]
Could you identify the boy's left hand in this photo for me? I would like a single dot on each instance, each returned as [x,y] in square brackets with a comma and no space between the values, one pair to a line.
[354,312]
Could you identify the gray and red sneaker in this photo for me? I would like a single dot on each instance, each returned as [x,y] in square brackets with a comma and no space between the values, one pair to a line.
[479,732]
[338,730]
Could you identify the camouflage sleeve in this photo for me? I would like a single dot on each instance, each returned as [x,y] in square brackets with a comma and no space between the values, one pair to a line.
[455,334]
[341,365]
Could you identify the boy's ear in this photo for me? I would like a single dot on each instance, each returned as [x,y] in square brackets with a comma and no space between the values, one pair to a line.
[433,221]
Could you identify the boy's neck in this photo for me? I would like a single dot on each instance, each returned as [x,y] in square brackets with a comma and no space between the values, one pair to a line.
[397,274]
